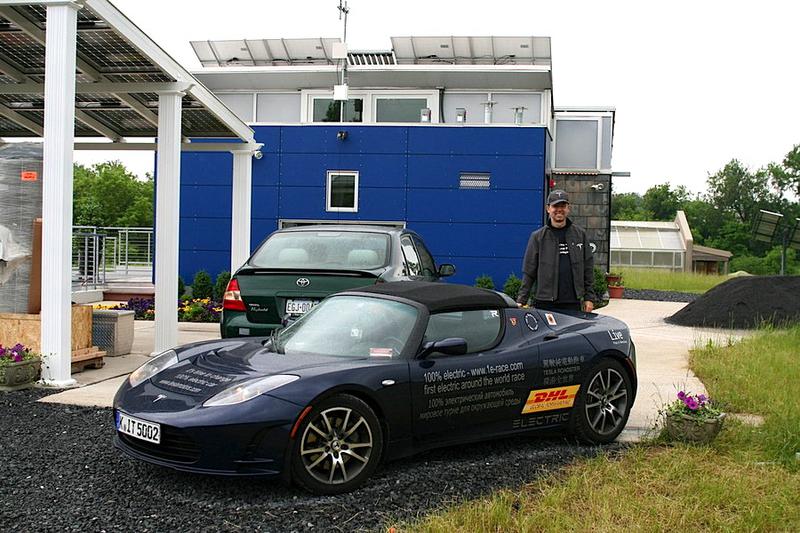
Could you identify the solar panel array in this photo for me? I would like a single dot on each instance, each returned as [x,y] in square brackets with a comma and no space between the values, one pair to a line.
[102,50]
[453,50]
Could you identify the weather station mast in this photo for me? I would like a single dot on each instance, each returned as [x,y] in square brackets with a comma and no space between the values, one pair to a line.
[340,54]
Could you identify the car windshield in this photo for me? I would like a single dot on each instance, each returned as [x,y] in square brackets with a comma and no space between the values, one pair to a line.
[327,250]
[350,326]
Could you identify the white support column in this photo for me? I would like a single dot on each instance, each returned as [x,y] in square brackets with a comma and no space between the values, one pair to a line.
[168,189]
[241,208]
[59,135]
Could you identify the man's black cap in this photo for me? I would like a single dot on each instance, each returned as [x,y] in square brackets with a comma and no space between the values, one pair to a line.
[557,197]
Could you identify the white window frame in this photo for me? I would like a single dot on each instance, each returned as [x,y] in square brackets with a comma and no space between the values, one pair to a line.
[431,97]
[586,118]
[307,105]
[328,191]
[369,97]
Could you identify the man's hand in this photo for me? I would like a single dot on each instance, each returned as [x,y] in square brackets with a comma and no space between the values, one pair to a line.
[588,306]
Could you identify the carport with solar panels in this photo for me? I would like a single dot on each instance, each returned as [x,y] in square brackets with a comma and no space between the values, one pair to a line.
[83,70]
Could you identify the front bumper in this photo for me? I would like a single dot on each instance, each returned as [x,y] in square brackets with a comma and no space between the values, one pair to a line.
[248,439]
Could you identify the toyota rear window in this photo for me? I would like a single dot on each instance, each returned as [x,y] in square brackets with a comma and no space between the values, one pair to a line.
[326,250]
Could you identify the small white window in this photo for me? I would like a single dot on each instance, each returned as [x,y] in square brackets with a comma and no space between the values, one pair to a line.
[342,191]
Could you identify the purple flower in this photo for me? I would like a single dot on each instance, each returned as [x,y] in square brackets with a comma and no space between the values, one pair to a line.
[691,403]
[682,395]
[703,399]
[17,357]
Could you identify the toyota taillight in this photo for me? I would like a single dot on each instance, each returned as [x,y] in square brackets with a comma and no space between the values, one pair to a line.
[233,298]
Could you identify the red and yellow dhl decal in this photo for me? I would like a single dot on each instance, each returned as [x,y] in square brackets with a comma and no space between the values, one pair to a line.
[550,399]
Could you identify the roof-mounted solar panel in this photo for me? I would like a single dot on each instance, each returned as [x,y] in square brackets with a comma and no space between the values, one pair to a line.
[472,50]
[261,52]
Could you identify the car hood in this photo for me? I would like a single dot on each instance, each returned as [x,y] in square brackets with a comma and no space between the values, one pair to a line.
[205,372]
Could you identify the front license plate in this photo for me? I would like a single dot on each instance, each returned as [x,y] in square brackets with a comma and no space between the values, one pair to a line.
[299,307]
[140,429]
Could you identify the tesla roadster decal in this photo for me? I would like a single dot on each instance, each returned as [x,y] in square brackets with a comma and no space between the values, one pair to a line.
[550,399]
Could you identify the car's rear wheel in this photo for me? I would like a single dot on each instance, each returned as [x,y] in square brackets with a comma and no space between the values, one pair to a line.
[603,404]
[339,445]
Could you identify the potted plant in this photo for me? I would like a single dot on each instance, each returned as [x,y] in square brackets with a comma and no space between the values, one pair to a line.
[615,287]
[613,277]
[19,367]
[693,418]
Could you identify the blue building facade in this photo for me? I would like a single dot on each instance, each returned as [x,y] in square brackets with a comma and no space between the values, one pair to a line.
[411,175]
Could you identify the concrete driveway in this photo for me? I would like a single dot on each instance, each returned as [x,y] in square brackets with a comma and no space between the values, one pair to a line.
[662,360]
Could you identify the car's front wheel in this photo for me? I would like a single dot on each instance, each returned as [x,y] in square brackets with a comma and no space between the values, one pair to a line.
[338,446]
[603,404]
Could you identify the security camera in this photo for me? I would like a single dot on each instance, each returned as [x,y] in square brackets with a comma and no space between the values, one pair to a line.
[341,135]
[257,154]
[598,186]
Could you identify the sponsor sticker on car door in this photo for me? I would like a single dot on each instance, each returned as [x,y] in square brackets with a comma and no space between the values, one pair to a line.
[550,399]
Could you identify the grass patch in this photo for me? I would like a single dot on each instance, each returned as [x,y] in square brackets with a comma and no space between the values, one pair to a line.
[746,480]
[634,278]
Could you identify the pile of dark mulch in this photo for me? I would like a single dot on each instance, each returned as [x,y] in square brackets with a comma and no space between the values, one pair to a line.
[746,302]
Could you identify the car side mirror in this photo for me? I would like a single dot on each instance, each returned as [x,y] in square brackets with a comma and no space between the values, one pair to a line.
[446,269]
[451,346]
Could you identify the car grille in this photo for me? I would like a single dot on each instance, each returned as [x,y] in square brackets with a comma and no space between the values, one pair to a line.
[175,446]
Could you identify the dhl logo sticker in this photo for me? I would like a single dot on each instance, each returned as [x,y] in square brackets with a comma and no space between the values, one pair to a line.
[550,399]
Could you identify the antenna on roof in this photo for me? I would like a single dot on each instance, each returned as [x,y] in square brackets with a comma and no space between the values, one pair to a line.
[340,91]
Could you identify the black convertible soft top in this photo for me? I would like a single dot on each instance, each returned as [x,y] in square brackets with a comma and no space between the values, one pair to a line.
[439,297]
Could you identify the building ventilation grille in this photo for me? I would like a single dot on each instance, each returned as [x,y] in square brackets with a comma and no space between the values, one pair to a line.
[371,58]
[474,180]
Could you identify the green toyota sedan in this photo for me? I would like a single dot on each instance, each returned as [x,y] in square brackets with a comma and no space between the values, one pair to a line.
[294,269]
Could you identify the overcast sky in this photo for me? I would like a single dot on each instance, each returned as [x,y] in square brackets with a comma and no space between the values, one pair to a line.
[694,83]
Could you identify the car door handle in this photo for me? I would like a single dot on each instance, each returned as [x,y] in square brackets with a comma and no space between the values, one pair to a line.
[387,382]
[550,336]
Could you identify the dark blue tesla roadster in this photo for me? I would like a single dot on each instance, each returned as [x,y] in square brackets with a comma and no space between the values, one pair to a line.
[376,374]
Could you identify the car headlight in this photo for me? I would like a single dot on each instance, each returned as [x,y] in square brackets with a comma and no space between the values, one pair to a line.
[153,367]
[249,390]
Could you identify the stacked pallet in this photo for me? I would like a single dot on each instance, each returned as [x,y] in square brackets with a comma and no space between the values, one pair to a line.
[26,329]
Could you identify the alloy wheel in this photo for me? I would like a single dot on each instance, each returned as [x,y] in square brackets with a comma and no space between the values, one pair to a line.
[606,401]
[336,445]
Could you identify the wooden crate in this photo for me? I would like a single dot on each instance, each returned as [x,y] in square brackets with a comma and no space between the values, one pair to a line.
[27,330]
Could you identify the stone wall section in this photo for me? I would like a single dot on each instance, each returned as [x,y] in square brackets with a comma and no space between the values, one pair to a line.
[590,209]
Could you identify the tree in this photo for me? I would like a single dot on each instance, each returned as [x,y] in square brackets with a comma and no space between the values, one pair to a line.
[628,206]
[664,202]
[736,190]
[786,177]
[107,194]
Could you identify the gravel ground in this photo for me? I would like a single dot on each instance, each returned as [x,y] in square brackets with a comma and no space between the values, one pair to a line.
[661,296]
[60,472]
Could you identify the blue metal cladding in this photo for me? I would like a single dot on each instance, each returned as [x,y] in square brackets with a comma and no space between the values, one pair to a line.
[406,173]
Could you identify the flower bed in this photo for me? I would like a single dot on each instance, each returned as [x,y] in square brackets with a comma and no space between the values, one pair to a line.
[189,310]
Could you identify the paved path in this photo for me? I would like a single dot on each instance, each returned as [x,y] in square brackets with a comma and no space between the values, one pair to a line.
[662,359]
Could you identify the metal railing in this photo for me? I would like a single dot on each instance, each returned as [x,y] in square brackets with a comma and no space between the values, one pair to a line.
[102,255]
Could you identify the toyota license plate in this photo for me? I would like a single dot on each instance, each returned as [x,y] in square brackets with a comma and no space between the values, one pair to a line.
[140,429]
[299,307]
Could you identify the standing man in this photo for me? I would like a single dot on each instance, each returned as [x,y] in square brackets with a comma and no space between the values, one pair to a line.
[559,260]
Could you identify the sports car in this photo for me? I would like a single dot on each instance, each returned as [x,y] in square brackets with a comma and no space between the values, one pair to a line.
[373,374]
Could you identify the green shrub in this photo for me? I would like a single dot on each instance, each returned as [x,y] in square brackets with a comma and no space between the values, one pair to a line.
[600,284]
[222,283]
[181,287]
[484,282]
[512,285]
[201,285]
